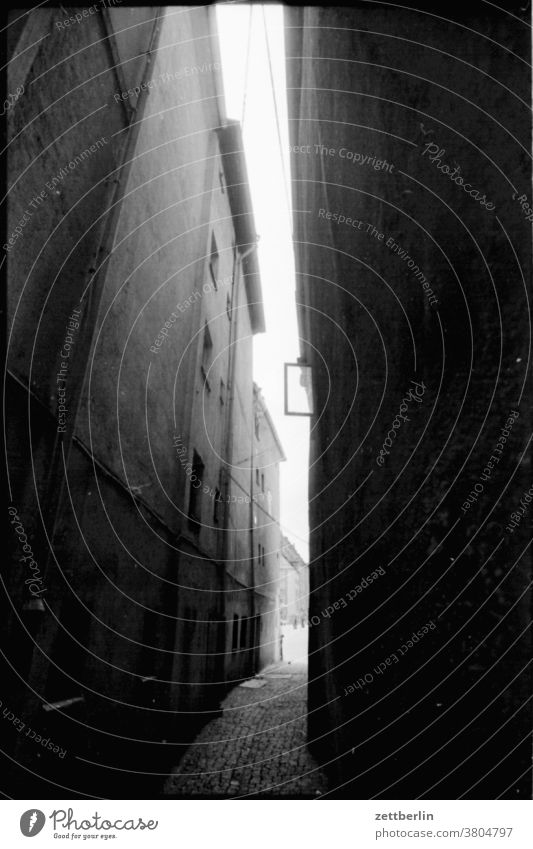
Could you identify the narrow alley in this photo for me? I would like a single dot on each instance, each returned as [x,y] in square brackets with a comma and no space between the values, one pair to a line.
[258,745]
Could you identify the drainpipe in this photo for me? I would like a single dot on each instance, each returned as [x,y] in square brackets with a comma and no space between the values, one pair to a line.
[255,648]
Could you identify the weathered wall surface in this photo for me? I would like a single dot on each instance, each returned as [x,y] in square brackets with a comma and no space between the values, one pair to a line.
[415,294]
[143,594]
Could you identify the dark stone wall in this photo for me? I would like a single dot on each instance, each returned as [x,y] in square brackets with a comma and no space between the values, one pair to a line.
[428,288]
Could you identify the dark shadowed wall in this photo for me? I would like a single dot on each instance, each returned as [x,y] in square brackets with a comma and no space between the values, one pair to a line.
[413,301]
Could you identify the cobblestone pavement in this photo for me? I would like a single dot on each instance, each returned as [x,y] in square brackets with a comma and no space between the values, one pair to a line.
[257,747]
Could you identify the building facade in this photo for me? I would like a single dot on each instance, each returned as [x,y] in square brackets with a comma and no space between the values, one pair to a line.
[268,454]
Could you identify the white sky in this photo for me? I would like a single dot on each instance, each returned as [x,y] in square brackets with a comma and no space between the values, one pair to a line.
[273,224]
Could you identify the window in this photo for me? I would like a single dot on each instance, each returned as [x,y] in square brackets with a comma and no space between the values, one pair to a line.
[214,261]
[260,554]
[195,490]
[257,476]
[222,396]
[207,352]
[235,636]
[256,425]
[222,182]
[262,483]
[228,306]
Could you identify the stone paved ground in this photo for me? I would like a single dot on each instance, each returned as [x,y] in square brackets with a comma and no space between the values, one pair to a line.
[257,747]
